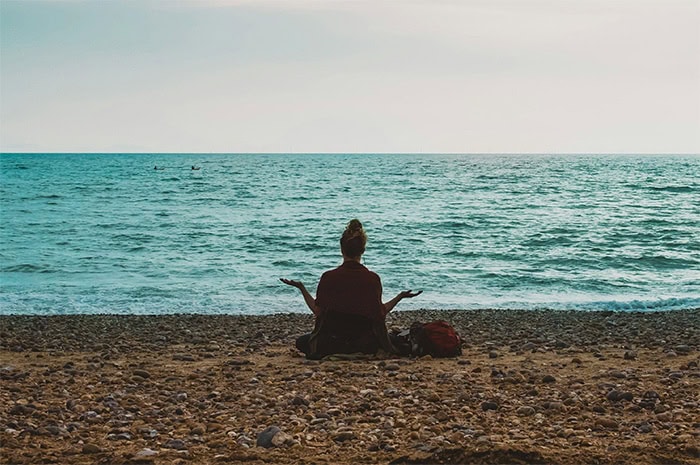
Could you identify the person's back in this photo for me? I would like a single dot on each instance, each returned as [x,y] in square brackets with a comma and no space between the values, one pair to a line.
[352,289]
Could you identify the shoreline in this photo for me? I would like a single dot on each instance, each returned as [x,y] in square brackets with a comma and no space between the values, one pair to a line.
[532,386]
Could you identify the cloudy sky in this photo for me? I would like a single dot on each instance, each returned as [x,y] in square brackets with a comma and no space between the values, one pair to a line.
[350,76]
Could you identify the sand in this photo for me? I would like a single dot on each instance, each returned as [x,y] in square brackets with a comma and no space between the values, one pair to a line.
[530,387]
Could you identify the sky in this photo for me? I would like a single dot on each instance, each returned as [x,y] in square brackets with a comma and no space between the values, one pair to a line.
[419,76]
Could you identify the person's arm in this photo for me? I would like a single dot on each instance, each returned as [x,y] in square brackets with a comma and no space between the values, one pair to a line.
[310,301]
[389,306]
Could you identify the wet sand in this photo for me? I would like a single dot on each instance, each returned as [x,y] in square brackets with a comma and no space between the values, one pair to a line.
[530,387]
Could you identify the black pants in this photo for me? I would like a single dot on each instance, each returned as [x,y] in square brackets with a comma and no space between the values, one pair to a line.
[302,344]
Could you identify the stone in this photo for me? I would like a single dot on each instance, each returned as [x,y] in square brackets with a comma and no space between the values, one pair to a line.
[682,349]
[264,438]
[89,448]
[177,444]
[344,436]
[143,453]
[489,406]
[142,373]
[525,411]
[607,423]
[281,438]
[549,379]
[197,431]
[630,355]
[645,428]
[615,396]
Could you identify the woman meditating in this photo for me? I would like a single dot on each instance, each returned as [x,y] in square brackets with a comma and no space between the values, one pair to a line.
[350,315]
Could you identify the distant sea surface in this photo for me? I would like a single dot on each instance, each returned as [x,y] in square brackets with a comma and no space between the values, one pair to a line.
[107,233]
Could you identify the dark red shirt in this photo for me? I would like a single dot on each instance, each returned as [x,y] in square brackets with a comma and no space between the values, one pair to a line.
[351,288]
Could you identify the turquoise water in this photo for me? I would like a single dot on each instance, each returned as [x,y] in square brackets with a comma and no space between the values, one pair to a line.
[106,233]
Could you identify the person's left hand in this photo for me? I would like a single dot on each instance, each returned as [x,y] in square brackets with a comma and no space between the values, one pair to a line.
[409,294]
[291,282]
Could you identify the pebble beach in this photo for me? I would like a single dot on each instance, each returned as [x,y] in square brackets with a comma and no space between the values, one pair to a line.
[535,386]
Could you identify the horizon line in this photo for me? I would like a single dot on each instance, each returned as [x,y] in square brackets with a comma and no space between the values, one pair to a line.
[343,153]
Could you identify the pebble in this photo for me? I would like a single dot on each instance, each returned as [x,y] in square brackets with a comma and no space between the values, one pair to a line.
[142,373]
[264,438]
[489,406]
[607,423]
[281,438]
[90,448]
[682,349]
[177,444]
[143,453]
[197,431]
[525,411]
[549,379]
[615,396]
[298,400]
[344,436]
[645,428]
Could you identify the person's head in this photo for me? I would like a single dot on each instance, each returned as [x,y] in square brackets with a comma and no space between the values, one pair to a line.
[353,240]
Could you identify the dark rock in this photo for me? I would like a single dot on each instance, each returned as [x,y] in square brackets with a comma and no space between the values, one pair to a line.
[177,444]
[525,411]
[344,436]
[489,406]
[549,379]
[630,355]
[682,349]
[142,373]
[264,438]
[616,396]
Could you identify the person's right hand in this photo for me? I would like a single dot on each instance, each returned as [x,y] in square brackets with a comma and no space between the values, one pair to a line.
[293,283]
[409,294]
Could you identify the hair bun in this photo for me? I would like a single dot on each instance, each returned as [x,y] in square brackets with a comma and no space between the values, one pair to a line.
[354,226]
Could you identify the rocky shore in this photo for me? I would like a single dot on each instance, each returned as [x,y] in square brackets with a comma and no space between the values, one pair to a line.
[546,387]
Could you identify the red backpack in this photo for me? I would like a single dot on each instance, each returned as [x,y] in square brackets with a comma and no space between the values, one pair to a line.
[437,338]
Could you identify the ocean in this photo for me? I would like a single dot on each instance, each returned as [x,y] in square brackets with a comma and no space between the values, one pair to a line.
[107,233]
